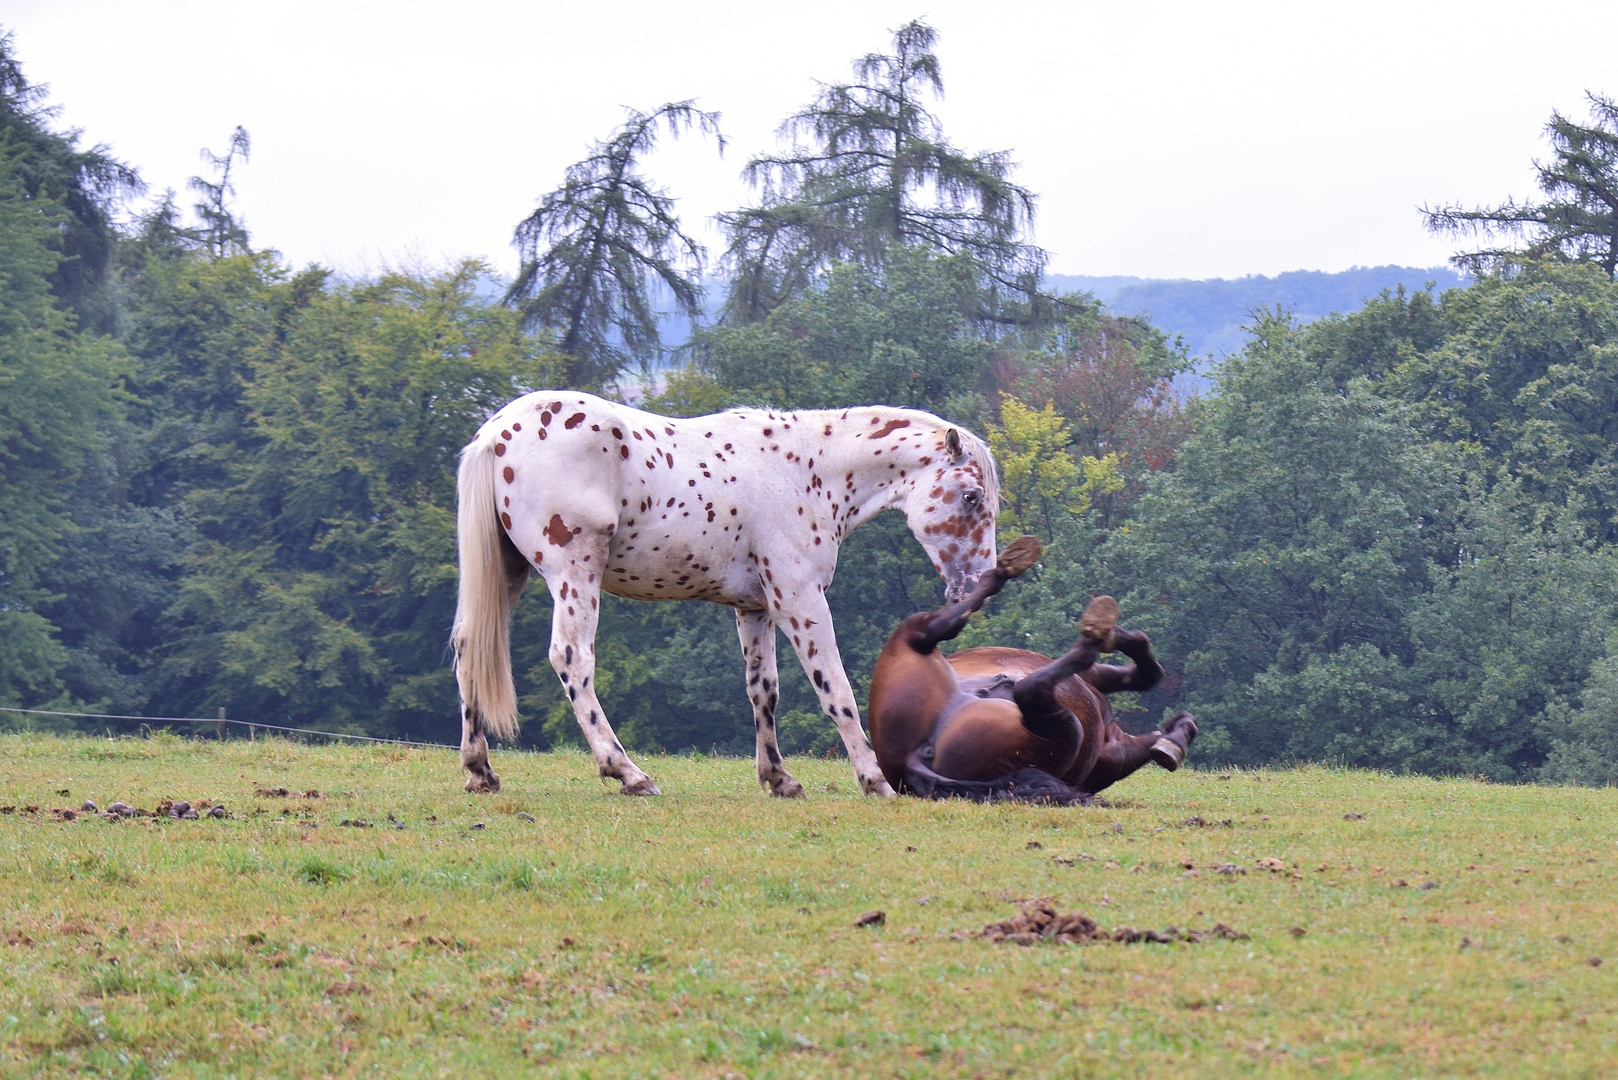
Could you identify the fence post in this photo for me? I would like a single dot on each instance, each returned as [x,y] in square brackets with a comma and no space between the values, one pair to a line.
[221,723]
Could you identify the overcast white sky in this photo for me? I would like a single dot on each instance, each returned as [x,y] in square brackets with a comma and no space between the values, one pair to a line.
[1164,139]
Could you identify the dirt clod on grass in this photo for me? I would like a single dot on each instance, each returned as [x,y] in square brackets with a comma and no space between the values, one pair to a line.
[349,987]
[1040,921]
[872,918]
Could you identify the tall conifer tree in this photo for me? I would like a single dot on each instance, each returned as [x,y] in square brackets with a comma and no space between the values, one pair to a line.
[595,245]
[1578,221]
[870,169]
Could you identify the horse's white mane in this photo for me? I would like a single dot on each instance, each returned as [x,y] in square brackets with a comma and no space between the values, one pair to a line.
[971,444]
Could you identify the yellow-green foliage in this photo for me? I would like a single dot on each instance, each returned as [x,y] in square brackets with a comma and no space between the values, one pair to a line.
[1038,476]
[687,391]
[710,932]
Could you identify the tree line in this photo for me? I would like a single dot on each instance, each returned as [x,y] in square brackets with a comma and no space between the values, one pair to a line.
[1383,539]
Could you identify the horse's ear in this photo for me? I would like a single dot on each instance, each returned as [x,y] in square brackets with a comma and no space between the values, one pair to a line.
[952,443]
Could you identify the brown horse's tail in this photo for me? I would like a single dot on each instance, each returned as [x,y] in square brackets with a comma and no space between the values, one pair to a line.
[481,637]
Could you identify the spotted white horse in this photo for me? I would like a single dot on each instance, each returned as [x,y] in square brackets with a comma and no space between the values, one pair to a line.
[744,508]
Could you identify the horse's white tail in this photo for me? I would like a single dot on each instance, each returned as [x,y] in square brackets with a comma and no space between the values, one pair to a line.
[481,637]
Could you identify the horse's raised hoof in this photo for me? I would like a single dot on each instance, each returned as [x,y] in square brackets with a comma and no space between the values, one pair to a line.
[1098,620]
[1168,754]
[640,786]
[483,783]
[786,788]
[1018,556]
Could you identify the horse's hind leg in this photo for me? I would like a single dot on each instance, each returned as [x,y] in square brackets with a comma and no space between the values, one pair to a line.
[576,596]
[757,633]
[1123,753]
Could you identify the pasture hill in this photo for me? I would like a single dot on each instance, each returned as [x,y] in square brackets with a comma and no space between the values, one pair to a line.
[355,913]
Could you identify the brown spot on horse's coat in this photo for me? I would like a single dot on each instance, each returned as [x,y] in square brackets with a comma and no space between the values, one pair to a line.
[505,519]
[510,474]
[499,449]
[889,428]
[574,421]
[623,452]
[516,427]
[505,434]
[618,434]
[558,533]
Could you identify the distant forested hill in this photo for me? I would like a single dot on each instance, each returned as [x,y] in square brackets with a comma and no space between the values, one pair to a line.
[1209,314]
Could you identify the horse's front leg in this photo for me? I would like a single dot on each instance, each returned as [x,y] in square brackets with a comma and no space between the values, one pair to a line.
[809,626]
[757,633]
[576,596]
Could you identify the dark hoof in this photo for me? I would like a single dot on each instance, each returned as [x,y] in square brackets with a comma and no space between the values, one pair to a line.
[485,783]
[1018,556]
[1098,620]
[641,786]
[786,788]
[1185,726]
[1168,754]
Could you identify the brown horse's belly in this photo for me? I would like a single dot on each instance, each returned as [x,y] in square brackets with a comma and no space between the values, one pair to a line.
[1090,709]
[992,660]
[984,739]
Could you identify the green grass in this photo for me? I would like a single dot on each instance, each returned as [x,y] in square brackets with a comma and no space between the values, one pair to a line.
[710,932]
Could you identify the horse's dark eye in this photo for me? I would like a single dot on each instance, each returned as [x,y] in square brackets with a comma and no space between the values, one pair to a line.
[972,499]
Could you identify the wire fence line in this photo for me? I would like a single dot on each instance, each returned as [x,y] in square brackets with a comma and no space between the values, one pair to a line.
[253,725]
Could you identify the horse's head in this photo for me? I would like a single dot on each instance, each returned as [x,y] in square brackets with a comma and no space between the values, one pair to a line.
[951,510]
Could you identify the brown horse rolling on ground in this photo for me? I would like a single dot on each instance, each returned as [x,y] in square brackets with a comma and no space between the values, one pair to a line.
[993,723]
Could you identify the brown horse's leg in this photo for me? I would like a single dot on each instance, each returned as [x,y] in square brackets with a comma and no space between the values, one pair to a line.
[1141,675]
[1123,753]
[1035,693]
[945,623]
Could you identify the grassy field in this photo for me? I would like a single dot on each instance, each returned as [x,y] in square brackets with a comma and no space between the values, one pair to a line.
[558,929]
